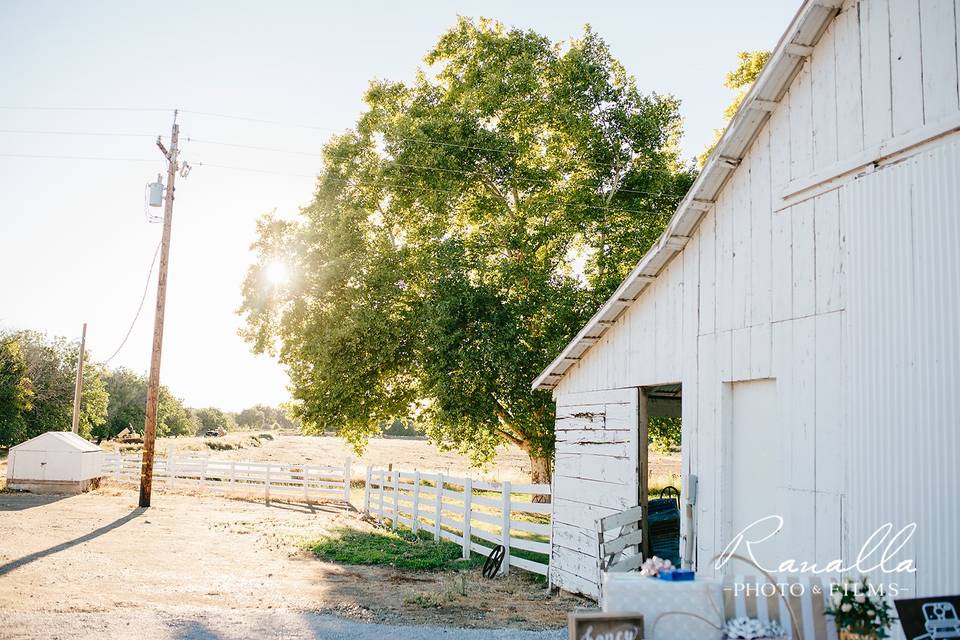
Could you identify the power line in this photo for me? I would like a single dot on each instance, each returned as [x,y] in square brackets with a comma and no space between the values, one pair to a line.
[45,108]
[418,188]
[146,287]
[59,157]
[421,140]
[78,133]
[403,164]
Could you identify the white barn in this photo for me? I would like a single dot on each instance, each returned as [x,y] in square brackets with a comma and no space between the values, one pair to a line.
[803,305]
[54,462]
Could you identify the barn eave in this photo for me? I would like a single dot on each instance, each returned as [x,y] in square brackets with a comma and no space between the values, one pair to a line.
[794,47]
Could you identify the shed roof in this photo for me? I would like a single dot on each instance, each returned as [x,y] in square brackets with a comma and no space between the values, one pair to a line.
[794,47]
[56,441]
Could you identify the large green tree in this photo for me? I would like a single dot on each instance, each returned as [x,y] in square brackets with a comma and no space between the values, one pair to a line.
[16,392]
[46,367]
[461,233]
[127,407]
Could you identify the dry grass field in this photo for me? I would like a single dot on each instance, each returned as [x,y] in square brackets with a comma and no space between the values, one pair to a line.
[404,453]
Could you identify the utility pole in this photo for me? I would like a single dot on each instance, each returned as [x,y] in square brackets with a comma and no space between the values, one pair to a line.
[78,387]
[153,384]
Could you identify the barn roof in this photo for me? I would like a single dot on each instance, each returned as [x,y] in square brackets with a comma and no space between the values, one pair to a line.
[794,47]
[56,441]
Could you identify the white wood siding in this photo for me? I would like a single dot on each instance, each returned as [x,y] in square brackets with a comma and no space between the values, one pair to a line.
[595,476]
[762,289]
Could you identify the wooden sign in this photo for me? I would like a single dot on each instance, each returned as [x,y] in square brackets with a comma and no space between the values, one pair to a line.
[597,625]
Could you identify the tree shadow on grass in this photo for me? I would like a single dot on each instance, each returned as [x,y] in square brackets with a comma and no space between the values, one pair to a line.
[63,546]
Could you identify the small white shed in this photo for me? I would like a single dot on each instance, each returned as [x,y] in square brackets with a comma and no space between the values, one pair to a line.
[54,462]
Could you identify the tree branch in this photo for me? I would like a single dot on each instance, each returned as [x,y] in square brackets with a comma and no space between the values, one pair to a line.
[489,184]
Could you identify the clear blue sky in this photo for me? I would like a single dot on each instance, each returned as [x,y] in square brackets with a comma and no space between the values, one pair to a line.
[74,245]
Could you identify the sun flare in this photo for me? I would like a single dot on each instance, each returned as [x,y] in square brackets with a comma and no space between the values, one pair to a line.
[277,273]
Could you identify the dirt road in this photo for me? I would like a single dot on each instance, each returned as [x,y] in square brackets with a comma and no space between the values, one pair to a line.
[100,561]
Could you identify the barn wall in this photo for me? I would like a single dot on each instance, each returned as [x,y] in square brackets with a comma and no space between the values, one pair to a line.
[596,465]
[763,289]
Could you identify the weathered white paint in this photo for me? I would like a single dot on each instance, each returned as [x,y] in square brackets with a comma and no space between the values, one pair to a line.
[595,476]
[845,294]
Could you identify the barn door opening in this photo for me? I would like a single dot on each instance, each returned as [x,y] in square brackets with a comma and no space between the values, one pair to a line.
[659,432]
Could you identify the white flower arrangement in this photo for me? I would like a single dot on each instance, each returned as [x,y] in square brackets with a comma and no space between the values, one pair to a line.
[752,629]
[653,566]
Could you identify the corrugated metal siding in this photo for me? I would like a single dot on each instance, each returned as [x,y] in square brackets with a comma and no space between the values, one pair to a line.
[903,361]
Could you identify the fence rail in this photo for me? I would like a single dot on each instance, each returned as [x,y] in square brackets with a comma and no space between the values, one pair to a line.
[228,476]
[474,514]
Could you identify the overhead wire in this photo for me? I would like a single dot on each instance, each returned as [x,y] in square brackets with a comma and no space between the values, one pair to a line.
[146,288]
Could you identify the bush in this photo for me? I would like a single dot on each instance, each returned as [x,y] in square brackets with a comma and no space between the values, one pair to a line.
[400,549]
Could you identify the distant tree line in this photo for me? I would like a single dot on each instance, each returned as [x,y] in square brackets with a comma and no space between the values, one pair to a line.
[37,377]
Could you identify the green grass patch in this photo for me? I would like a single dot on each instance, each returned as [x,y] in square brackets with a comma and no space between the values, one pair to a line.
[401,549]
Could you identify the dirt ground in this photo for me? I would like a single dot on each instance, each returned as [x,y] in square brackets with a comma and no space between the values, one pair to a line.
[404,453]
[98,552]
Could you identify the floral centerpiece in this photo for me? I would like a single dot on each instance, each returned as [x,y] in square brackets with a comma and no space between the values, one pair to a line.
[653,566]
[861,611]
[753,629]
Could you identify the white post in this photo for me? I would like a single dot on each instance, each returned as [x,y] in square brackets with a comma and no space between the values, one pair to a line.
[396,499]
[233,473]
[117,467]
[203,473]
[306,485]
[366,490]
[172,469]
[346,481]
[266,485]
[505,528]
[381,495]
[467,516]
[416,501]
[438,508]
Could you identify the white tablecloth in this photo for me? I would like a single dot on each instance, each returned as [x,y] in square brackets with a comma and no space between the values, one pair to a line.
[652,597]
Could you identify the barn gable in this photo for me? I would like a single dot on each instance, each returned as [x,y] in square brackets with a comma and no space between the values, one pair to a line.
[818,235]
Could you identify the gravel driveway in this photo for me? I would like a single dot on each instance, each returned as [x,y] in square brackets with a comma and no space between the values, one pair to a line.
[230,624]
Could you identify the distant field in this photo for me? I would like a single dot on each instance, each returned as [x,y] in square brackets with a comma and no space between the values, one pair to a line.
[404,453]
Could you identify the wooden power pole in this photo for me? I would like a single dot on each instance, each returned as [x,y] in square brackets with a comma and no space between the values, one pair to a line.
[153,384]
[78,387]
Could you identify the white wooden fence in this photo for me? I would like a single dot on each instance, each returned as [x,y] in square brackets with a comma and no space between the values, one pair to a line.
[474,514]
[308,481]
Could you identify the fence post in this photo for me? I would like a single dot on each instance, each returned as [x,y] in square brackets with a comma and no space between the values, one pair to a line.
[396,499]
[266,485]
[366,490]
[467,516]
[346,481]
[505,528]
[305,479]
[416,501]
[117,467]
[438,507]
[172,470]
[380,486]
[203,474]
[233,473]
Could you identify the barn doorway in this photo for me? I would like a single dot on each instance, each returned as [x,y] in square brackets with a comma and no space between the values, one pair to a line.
[660,409]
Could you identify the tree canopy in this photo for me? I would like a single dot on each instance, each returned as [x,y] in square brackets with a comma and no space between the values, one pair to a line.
[461,233]
[37,379]
[127,392]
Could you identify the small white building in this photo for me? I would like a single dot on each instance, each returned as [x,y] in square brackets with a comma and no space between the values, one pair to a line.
[54,462]
[802,309]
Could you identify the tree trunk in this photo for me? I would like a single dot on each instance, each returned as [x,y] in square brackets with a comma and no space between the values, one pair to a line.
[540,472]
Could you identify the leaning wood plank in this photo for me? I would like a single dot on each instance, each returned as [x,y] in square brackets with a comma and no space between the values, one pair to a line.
[622,542]
[627,564]
[633,514]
